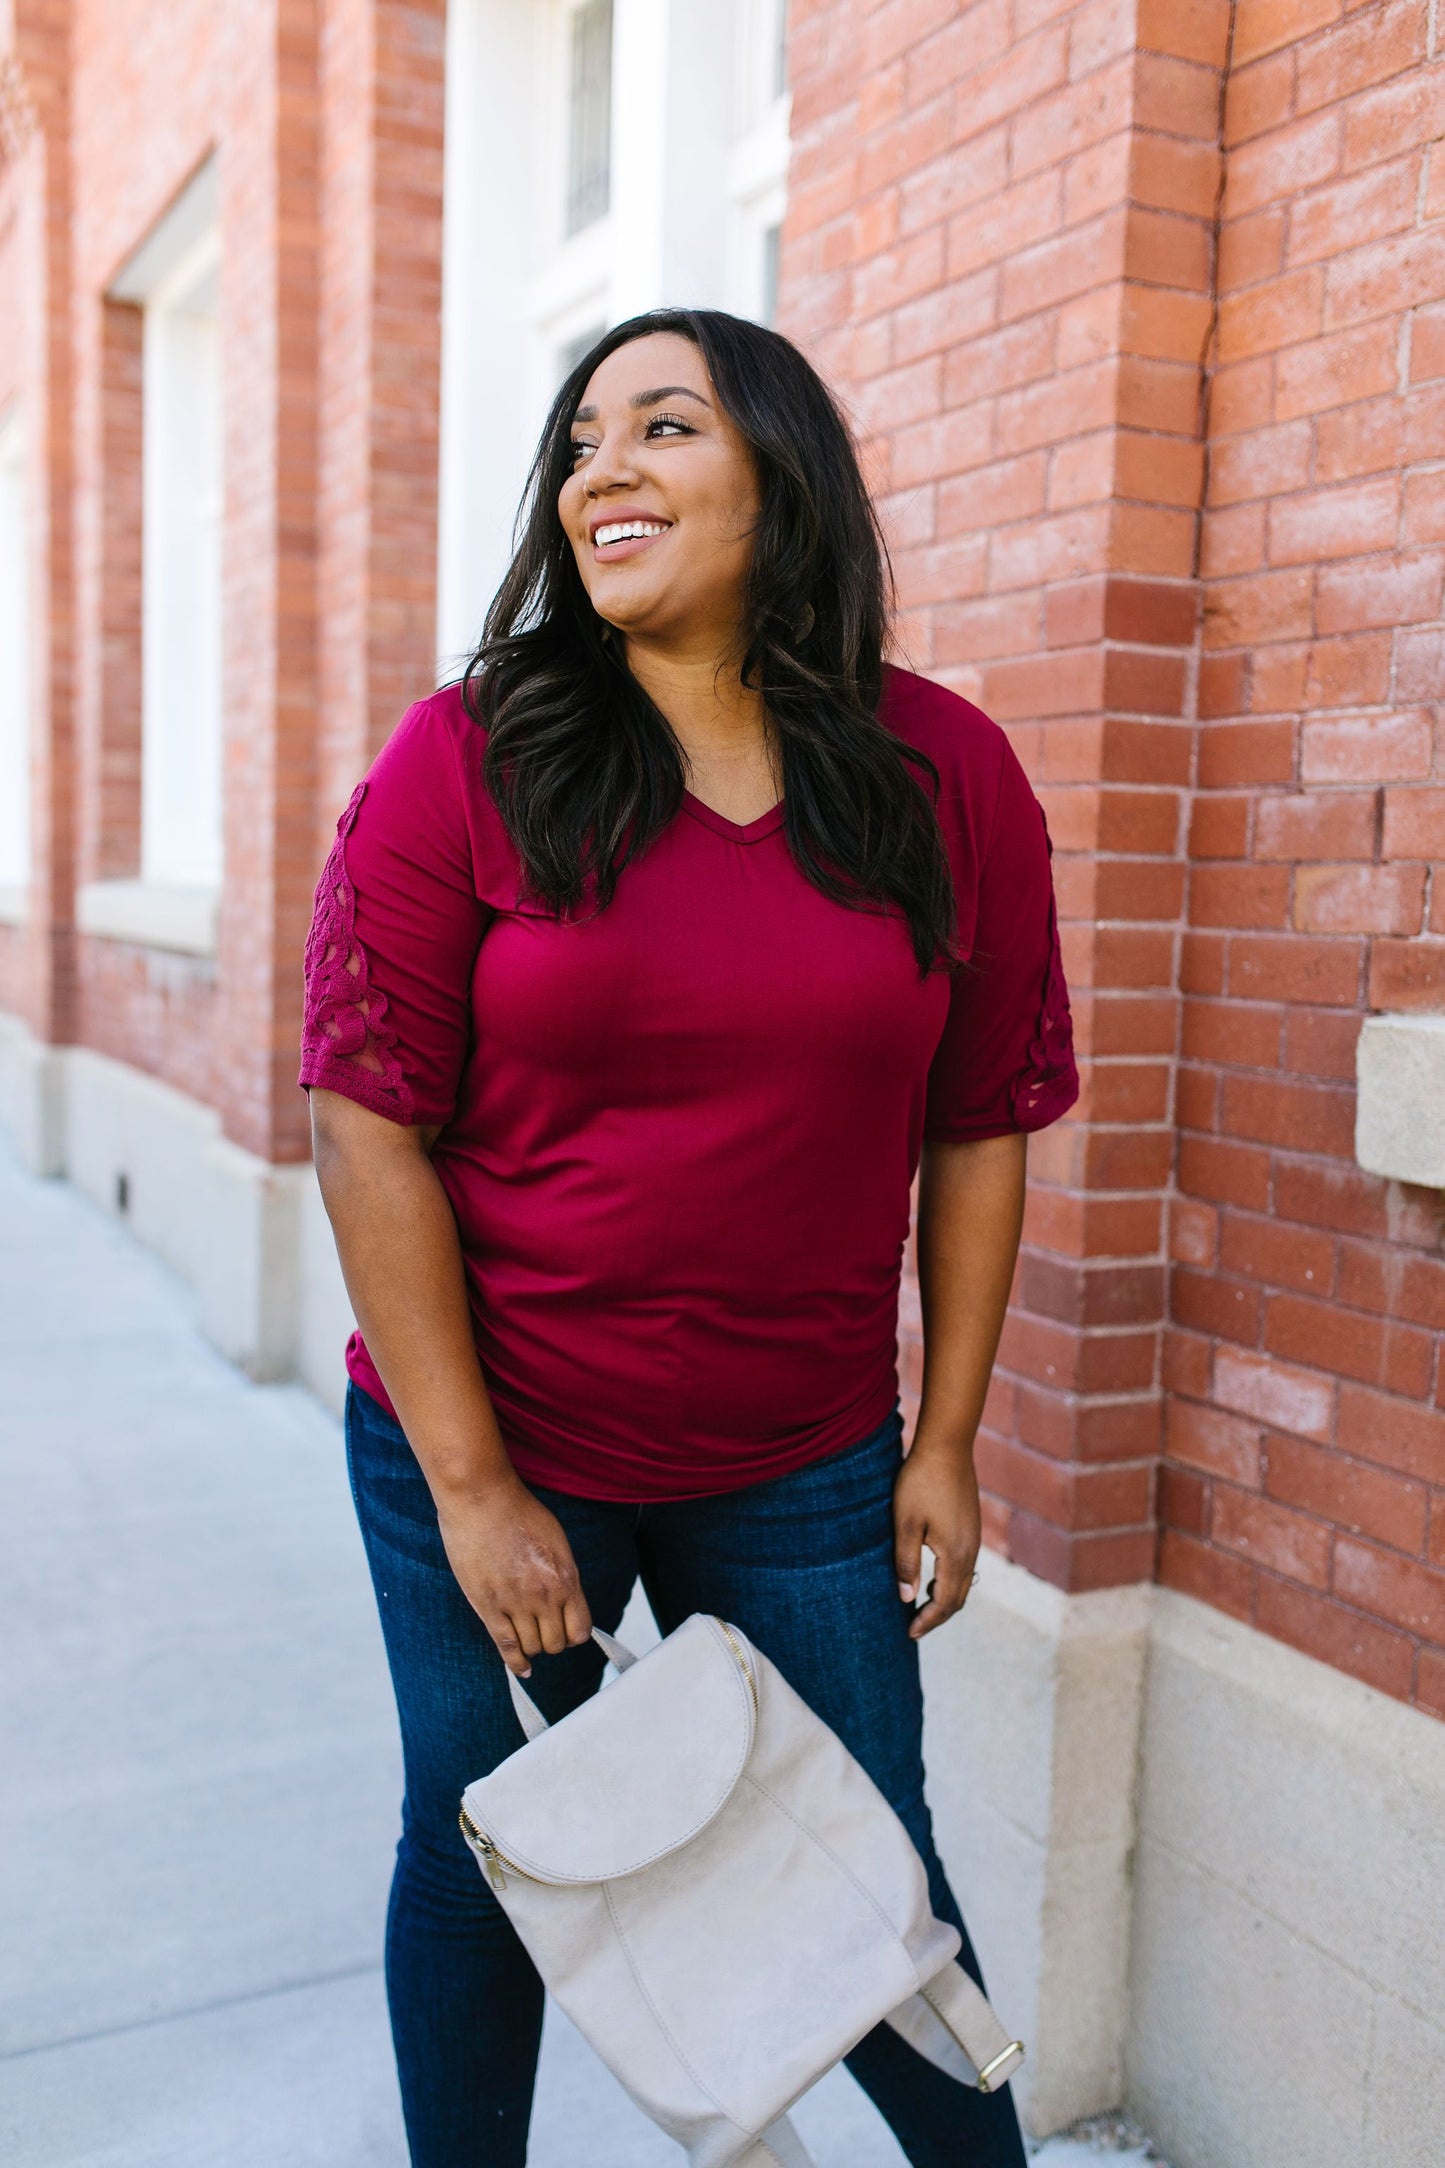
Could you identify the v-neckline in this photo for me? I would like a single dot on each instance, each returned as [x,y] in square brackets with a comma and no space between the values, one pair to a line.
[735,831]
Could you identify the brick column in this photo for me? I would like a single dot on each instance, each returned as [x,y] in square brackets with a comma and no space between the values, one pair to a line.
[35,189]
[268,216]
[999,248]
[383,93]
[109,404]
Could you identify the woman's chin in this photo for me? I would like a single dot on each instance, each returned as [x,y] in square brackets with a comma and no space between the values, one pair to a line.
[639,616]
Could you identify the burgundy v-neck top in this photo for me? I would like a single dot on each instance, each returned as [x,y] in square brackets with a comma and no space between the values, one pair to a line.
[678,1135]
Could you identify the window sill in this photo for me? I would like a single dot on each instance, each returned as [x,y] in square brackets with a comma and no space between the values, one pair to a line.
[14,904]
[1400,1112]
[150,914]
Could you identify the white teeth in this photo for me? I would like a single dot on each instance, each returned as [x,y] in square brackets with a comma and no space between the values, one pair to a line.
[628,530]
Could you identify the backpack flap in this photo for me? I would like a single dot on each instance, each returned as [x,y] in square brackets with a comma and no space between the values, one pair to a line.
[634,1772]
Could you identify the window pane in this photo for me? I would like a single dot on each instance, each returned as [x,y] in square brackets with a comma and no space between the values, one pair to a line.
[589,130]
[14,641]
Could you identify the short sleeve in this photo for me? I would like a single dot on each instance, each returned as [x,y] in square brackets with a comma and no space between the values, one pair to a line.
[394,935]
[1005,1062]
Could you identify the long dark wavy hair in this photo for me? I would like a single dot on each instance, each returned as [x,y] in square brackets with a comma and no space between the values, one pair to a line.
[584,768]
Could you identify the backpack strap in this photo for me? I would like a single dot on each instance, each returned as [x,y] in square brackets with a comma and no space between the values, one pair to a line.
[951,2022]
[779,2146]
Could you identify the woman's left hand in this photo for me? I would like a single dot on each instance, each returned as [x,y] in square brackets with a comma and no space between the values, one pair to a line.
[935,1502]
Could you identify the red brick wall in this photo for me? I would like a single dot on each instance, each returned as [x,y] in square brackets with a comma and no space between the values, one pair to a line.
[326,119]
[21,299]
[108,549]
[269,216]
[151,1009]
[999,245]
[1304,1483]
[1007,244]
[37,963]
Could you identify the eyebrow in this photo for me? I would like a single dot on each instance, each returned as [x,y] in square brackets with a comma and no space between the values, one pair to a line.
[642,399]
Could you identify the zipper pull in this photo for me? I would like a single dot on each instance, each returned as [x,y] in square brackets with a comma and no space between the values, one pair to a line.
[485,1850]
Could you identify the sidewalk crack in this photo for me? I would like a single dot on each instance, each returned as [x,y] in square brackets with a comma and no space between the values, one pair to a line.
[189,2010]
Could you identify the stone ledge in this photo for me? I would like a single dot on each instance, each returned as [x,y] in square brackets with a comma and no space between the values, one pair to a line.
[1400,1113]
[150,914]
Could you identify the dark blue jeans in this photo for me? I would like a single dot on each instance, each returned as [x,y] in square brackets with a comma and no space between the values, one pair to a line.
[804,1565]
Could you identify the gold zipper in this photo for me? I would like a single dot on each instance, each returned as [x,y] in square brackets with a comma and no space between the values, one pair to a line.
[496,1864]
[743,1665]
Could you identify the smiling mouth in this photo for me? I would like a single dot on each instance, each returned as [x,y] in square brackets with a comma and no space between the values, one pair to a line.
[626,537]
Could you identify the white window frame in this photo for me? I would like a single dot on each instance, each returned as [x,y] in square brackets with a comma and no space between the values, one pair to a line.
[757,167]
[571,286]
[490,247]
[15,671]
[699,159]
[174,276]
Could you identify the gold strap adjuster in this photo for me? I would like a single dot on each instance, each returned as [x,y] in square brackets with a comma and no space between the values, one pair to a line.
[996,2062]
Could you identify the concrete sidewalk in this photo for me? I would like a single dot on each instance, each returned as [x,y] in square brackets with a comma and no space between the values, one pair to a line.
[198,1793]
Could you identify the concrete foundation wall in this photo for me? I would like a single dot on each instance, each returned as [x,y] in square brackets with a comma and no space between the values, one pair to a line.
[1205,1874]
[1287,2004]
[31,1112]
[251,1239]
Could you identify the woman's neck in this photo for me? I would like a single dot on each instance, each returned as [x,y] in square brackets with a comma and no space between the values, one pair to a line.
[720,723]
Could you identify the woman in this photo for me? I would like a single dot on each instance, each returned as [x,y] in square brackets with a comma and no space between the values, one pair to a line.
[646,964]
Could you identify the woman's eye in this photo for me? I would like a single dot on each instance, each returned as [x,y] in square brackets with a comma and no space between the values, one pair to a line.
[672,423]
[579,446]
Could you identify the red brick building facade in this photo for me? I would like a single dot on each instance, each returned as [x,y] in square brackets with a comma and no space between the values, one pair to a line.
[1144,319]
[1140,311]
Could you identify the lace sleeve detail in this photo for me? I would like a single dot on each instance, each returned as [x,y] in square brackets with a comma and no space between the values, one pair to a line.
[347,1045]
[1048,1084]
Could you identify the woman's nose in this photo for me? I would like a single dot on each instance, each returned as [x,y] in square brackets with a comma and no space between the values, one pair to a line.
[611,466]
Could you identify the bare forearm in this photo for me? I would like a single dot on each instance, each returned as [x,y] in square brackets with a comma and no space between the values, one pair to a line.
[970,1213]
[397,1240]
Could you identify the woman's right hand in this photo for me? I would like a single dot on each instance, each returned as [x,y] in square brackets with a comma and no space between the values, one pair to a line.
[516,1570]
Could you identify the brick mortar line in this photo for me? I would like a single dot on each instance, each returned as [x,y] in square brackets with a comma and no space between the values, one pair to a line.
[1141,1396]
[1208,359]
[1095,1332]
